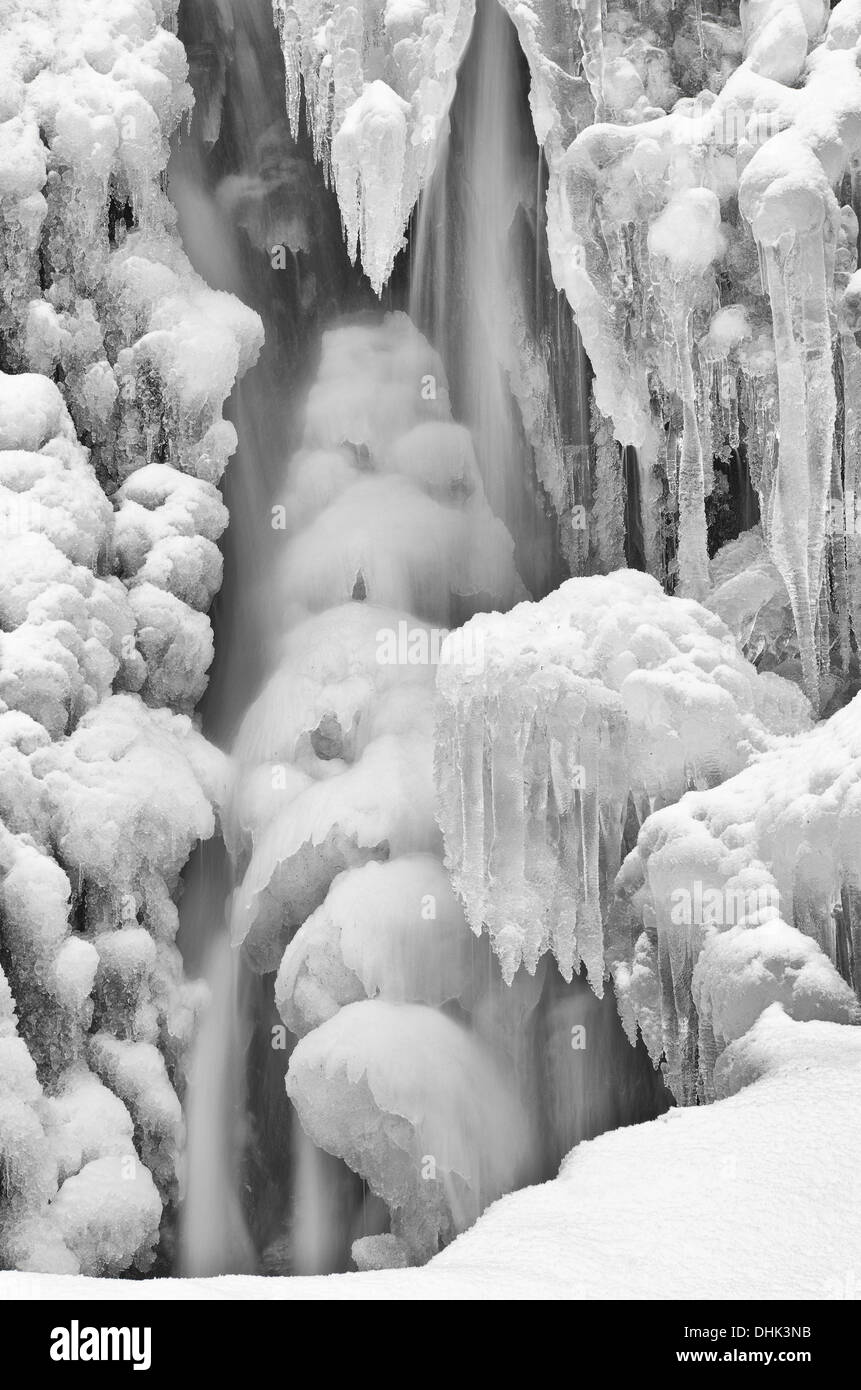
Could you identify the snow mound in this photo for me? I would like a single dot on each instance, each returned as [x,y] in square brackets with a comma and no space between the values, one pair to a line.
[133,789]
[323,692]
[87,1121]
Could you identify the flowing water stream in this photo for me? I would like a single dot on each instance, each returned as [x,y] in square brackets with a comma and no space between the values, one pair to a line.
[256,218]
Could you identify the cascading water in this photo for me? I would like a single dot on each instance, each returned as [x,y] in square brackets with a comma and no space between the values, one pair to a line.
[381,523]
[214,1234]
[255,220]
[482,291]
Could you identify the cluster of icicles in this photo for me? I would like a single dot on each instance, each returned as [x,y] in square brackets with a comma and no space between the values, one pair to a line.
[700,221]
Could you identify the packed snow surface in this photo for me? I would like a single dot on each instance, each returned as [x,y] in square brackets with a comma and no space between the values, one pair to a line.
[761,1185]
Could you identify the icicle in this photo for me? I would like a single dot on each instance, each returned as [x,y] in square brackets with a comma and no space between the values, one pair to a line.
[693,549]
[698,20]
[838,552]
[591,36]
[851,361]
[792,492]
[506,862]
[369,159]
[815,295]
[287,24]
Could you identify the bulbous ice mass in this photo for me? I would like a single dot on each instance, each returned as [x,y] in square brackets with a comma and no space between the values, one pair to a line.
[414,1104]
[108,1215]
[391,930]
[330,826]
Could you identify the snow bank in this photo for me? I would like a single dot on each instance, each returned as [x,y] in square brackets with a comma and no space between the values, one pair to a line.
[724,1174]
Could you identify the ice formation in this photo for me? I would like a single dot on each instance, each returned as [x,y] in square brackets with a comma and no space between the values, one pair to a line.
[695,332]
[393,929]
[610,720]
[387,539]
[336,753]
[702,172]
[414,1104]
[115,362]
[379,79]
[586,711]
[699,219]
[740,896]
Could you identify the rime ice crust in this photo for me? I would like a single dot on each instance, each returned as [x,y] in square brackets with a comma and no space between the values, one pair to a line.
[102,620]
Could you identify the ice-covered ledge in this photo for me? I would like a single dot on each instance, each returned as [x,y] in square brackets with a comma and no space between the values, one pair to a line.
[585,714]
[578,716]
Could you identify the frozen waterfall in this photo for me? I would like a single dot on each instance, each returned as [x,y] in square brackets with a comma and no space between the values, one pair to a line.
[430,613]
